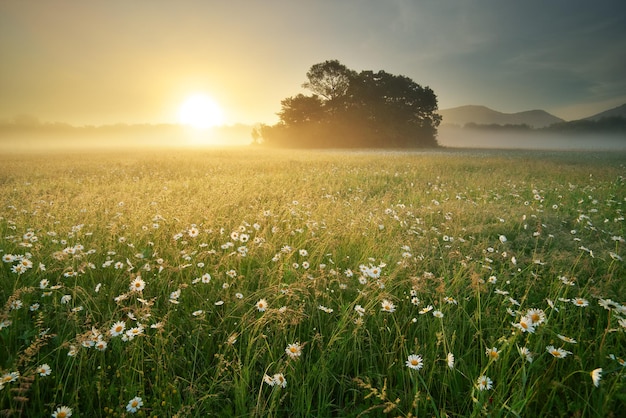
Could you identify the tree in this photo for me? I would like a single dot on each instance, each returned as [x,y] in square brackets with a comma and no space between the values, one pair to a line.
[329,79]
[300,109]
[350,109]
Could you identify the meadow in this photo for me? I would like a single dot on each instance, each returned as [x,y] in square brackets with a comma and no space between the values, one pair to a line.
[246,282]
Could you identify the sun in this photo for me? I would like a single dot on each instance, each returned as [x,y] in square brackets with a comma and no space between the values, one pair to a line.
[200,111]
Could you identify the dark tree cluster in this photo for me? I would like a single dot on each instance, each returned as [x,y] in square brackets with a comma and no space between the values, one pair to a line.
[348,109]
[607,125]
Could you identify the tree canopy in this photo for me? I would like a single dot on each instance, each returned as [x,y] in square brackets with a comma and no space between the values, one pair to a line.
[350,109]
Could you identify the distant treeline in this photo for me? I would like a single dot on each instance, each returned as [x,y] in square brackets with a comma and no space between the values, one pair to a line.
[349,109]
[607,125]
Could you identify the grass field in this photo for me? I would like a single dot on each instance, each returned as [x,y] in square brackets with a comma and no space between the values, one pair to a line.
[272,284]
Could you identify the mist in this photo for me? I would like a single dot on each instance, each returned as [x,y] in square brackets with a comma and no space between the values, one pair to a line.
[455,137]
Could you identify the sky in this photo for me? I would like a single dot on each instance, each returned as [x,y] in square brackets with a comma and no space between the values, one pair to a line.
[111,61]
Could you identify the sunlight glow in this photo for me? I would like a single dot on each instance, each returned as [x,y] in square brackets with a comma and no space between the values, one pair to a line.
[201,112]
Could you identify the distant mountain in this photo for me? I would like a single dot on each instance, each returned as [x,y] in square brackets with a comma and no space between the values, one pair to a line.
[482,115]
[619,111]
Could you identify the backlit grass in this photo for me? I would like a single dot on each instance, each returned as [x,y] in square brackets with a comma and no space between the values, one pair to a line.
[259,283]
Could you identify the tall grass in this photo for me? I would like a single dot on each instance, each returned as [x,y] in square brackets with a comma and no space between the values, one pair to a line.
[484,264]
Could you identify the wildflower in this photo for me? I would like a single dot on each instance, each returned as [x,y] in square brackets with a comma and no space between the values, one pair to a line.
[426,309]
[387,306]
[294,350]
[493,353]
[279,379]
[66,299]
[607,304]
[101,345]
[174,296]
[325,309]
[117,328]
[536,316]
[206,278]
[198,312]
[62,412]
[219,303]
[502,239]
[557,352]
[580,302]
[73,351]
[415,362]
[16,304]
[525,324]
[9,377]
[567,339]
[44,370]
[137,285]
[484,383]
[268,380]
[134,404]
[133,332]
[596,376]
[525,352]
[261,305]
[359,309]
[450,360]
[438,314]
[193,232]
[450,300]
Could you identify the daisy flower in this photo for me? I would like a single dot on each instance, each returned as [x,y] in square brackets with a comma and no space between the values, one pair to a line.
[415,362]
[537,316]
[450,360]
[134,404]
[279,380]
[44,370]
[525,352]
[261,305]
[117,328]
[268,380]
[580,302]
[438,314]
[62,412]
[137,284]
[525,324]
[9,377]
[567,339]
[426,309]
[359,309]
[101,345]
[484,383]
[387,306]
[596,376]
[294,350]
[325,309]
[557,352]
[492,353]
